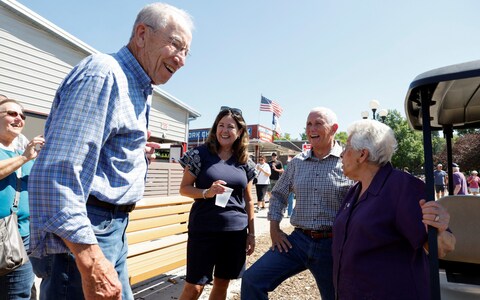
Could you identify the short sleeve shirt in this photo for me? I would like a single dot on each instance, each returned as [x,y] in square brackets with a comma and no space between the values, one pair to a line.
[207,167]
[459,179]
[439,177]
[275,175]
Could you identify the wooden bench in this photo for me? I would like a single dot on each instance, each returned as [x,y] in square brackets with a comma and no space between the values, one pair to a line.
[157,232]
[157,236]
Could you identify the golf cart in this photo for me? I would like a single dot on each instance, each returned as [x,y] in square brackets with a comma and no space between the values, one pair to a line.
[447,99]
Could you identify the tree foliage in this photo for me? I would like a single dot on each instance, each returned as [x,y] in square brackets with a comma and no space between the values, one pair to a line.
[464,152]
[284,136]
[461,132]
[410,143]
[303,136]
[341,137]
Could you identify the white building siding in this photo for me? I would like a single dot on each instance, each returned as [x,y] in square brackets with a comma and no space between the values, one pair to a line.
[32,62]
[167,120]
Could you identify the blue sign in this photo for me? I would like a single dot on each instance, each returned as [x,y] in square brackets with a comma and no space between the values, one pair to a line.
[198,135]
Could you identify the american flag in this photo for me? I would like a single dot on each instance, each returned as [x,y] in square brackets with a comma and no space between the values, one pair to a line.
[270,105]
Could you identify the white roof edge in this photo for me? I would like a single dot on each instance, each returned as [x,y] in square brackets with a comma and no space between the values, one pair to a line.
[193,112]
[24,11]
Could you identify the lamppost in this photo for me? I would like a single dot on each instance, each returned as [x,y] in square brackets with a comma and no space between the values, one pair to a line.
[383,114]
[374,105]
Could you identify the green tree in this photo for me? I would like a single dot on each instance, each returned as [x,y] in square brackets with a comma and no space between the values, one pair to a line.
[285,136]
[461,132]
[303,136]
[410,143]
[464,152]
[341,137]
[438,144]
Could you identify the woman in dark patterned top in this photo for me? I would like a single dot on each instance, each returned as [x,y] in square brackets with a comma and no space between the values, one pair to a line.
[219,238]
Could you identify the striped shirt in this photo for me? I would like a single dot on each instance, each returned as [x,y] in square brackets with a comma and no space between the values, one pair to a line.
[95,144]
[319,186]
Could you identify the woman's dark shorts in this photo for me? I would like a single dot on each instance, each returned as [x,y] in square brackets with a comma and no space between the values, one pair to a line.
[223,252]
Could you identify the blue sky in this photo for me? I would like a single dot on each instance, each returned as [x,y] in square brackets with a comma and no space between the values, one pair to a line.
[305,53]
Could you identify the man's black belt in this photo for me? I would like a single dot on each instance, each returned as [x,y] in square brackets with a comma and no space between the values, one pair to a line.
[94,201]
[316,234]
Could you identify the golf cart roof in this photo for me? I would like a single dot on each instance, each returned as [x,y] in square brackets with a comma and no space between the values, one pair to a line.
[454,96]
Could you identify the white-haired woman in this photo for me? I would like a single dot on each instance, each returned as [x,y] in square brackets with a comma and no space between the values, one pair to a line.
[378,235]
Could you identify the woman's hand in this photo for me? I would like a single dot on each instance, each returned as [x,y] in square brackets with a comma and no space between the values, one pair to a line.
[217,187]
[435,215]
[250,244]
[33,147]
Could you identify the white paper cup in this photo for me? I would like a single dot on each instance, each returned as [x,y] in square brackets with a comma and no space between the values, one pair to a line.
[222,199]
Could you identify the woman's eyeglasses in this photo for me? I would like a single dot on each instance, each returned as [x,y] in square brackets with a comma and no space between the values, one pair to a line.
[14,114]
[235,111]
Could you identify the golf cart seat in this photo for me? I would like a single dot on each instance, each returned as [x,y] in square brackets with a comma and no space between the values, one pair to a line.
[463,264]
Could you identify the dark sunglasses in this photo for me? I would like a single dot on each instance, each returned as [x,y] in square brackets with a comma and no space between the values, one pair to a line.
[14,114]
[234,111]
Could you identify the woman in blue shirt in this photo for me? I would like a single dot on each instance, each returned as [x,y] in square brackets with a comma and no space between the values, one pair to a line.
[219,238]
[14,156]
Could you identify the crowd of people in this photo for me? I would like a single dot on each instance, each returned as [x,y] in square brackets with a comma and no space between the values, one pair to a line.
[77,190]
[462,185]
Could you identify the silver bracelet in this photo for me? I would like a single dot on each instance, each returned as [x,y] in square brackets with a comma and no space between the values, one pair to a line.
[204,193]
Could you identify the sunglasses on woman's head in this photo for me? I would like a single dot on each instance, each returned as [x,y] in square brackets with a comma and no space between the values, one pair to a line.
[14,114]
[235,111]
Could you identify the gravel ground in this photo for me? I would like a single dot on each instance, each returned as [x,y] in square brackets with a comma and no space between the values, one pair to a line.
[299,287]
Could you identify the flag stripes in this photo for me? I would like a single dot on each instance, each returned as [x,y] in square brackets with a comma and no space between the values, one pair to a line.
[271,105]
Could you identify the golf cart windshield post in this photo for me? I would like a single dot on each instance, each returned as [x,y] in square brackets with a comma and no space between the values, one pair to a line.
[448,132]
[425,99]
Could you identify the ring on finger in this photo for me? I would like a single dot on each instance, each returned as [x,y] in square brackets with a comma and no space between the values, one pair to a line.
[437,217]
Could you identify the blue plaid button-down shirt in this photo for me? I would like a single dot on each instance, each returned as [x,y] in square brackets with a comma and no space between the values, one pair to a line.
[319,186]
[95,140]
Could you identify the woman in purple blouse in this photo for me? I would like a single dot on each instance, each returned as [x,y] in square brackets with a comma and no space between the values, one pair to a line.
[379,236]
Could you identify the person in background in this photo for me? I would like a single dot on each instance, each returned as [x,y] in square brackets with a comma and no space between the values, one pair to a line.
[473,181]
[219,238]
[291,196]
[263,181]
[379,227]
[21,141]
[276,168]
[440,179]
[319,184]
[459,181]
[15,162]
[92,171]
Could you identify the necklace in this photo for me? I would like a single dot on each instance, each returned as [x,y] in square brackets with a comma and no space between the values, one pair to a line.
[225,155]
